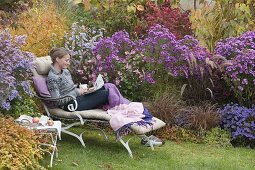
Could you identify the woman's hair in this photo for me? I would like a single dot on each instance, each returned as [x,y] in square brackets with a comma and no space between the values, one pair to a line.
[57,53]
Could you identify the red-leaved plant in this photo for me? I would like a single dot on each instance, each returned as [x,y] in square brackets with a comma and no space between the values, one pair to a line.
[174,19]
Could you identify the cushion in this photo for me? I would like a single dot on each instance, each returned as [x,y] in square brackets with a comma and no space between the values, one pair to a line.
[102,115]
[86,114]
[41,86]
[156,124]
[42,65]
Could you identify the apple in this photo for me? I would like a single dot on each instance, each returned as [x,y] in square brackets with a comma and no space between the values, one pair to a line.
[50,122]
[35,120]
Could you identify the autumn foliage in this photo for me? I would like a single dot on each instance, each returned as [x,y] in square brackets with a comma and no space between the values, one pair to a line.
[41,24]
[174,19]
[19,147]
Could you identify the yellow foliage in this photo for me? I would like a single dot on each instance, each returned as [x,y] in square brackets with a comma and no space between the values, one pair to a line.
[212,23]
[19,147]
[40,24]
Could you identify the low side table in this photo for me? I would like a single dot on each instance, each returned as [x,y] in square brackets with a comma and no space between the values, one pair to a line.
[53,132]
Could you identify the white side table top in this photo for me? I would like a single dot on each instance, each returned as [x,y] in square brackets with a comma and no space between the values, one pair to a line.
[54,131]
[42,125]
[56,125]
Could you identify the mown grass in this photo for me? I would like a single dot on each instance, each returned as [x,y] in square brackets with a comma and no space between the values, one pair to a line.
[100,154]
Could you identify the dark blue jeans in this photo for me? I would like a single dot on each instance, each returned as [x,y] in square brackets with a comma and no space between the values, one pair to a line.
[90,101]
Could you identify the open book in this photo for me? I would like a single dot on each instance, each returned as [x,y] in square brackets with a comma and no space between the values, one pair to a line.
[99,83]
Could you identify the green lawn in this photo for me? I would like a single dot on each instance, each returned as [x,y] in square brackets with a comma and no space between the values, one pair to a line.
[100,154]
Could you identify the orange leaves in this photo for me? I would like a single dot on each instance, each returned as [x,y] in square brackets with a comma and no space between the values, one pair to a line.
[41,23]
[18,146]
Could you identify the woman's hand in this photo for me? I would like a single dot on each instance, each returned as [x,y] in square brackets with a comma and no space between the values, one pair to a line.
[82,90]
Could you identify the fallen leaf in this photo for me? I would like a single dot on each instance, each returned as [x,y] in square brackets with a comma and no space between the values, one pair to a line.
[74,163]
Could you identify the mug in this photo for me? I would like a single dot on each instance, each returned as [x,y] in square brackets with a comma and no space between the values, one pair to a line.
[83,86]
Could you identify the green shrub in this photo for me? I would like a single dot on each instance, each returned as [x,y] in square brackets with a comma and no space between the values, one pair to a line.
[166,84]
[116,16]
[178,134]
[19,147]
[76,11]
[243,142]
[111,15]
[25,105]
[218,137]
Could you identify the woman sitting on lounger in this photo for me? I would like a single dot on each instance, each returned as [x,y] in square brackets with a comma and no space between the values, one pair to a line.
[60,83]
[123,112]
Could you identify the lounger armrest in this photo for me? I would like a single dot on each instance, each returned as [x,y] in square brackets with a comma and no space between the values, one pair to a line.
[63,99]
[52,99]
[59,101]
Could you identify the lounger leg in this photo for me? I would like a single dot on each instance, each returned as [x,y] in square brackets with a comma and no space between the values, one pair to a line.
[127,147]
[79,137]
[75,135]
[148,139]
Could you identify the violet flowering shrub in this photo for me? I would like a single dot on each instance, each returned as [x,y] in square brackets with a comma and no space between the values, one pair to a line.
[134,80]
[240,121]
[233,46]
[111,53]
[15,65]
[121,64]
[240,75]
[161,47]
[182,58]
[80,41]
[152,59]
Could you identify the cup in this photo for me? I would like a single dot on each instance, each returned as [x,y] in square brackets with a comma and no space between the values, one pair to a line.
[83,86]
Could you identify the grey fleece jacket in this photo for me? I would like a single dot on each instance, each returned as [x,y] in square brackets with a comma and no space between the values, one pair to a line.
[61,84]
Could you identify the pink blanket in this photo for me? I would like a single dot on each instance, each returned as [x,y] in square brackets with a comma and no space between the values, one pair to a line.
[125,114]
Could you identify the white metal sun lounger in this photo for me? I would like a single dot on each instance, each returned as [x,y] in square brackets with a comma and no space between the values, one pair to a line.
[79,118]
